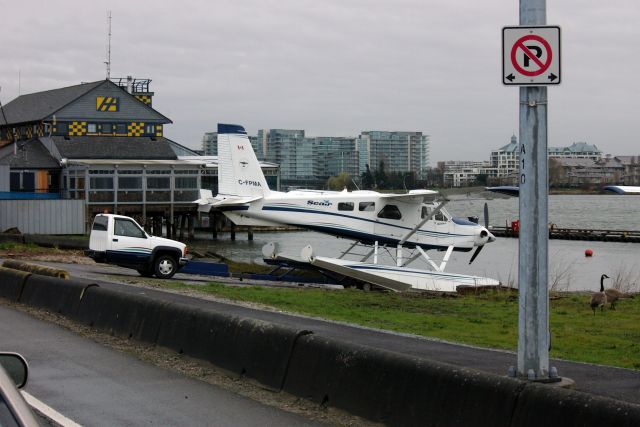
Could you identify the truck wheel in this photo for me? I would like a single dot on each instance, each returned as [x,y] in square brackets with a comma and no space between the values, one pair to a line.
[165,267]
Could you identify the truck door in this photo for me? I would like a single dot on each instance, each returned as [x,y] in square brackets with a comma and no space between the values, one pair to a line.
[129,244]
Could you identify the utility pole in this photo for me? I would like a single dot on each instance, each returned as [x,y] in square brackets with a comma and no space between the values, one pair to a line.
[108,61]
[533,317]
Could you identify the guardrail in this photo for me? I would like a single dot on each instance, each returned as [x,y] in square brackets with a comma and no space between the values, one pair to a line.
[382,386]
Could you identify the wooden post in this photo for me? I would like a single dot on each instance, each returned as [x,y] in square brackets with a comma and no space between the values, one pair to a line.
[213,220]
[250,233]
[233,231]
[192,226]
[183,219]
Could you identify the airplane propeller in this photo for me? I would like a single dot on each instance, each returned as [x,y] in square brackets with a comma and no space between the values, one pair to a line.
[483,233]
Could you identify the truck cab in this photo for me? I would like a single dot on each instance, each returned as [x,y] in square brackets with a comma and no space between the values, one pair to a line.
[119,240]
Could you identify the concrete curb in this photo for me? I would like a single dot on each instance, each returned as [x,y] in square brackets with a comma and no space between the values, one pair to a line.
[36,269]
[379,385]
[61,296]
[12,282]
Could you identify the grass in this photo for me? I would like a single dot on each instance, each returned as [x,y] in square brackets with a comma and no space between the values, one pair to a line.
[20,247]
[487,320]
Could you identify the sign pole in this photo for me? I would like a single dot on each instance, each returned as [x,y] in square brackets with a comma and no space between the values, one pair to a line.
[533,314]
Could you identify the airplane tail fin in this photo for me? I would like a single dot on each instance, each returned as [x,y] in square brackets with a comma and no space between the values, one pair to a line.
[239,172]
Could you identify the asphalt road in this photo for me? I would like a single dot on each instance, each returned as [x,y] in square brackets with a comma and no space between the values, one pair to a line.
[94,385]
[617,383]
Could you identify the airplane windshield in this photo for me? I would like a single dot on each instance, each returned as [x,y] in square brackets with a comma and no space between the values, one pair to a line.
[439,216]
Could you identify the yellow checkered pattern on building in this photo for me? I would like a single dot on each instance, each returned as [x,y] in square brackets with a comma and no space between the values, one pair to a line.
[158,130]
[77,128]
[135,129]
[146,99]
[40,130]
[107,103]
[29,133]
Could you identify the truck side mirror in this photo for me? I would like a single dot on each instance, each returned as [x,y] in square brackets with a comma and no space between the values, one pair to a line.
[16,367]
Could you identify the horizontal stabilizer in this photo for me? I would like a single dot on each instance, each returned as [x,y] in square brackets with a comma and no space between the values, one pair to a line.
[233,201]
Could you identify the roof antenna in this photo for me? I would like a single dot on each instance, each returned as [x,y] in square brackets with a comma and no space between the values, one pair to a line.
[108,61]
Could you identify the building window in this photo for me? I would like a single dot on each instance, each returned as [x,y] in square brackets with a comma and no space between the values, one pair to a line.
[184,182]
[107,128]
[150,129]
[92,128]
[129,182]
[158,183]
[101,183]
[121,128]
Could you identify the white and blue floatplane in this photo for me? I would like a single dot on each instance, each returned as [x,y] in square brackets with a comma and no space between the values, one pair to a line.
[415,221]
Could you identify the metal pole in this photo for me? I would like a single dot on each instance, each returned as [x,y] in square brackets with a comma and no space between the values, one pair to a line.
[533,318]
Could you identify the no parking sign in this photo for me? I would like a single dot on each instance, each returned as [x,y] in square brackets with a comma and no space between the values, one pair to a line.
[531,55]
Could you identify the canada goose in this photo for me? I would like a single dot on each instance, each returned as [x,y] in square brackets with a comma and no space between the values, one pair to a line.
[599,299]
[614,295]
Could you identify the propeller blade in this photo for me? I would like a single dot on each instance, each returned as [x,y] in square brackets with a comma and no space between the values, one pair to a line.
[486,215]
[475,254]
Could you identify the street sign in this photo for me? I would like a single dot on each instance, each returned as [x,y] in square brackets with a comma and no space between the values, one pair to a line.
[531,56]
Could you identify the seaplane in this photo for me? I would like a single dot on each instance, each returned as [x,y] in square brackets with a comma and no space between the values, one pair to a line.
[416,221]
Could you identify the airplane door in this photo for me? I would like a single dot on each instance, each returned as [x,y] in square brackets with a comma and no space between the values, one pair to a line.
[390,223]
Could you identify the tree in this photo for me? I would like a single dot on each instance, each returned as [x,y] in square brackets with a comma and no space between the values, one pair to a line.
[380,176]
[340,182]
[367,179]
[481,179]
[557,173]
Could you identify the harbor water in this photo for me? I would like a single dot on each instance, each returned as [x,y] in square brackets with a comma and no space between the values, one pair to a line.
[569,269]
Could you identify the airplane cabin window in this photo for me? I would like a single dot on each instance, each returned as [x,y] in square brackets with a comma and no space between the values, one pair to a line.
[345,206]
[367,206]
[390,212]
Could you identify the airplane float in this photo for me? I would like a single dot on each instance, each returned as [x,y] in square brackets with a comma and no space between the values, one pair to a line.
[416,221]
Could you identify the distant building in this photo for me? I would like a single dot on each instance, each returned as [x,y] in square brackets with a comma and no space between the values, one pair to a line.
[103,143]
[210,144]
[577,150]
[399,151]
[631,174]
[578,172]
[461,173]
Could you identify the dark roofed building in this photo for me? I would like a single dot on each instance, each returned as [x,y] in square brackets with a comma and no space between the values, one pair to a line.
[115,147]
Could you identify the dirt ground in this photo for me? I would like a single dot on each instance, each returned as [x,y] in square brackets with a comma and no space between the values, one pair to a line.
[173,361]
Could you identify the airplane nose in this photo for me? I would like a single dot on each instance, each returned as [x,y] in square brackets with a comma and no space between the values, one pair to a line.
[492,238]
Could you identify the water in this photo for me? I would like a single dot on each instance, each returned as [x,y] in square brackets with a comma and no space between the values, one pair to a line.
[569,269]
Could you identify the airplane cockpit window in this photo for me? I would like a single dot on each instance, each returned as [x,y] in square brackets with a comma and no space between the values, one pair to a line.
[390,212]
[439,216]
[345,206]
[367,206]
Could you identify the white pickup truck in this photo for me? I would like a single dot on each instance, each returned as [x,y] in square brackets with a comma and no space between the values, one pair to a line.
[119,240]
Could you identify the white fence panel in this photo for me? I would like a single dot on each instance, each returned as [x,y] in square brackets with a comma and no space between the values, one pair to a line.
[43,216]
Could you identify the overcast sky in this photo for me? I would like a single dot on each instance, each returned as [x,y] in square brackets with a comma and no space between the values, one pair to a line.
[337,67]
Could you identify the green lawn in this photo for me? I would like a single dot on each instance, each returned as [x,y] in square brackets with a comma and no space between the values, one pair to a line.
[488,320]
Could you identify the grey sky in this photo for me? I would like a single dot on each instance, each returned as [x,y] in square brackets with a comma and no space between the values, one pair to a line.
[337,67]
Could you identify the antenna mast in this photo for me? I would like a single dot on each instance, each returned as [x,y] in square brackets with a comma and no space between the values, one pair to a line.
[108,61]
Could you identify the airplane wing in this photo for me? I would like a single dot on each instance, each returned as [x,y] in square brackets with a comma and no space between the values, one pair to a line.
[413,196]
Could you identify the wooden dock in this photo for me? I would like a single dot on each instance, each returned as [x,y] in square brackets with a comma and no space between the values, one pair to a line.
[575,234]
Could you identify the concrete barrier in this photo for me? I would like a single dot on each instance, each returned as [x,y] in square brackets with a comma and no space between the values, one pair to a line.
[61,296]
[247,347]
[395,389]
[11,283]
[36,269]
[122,314]
[542,405]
